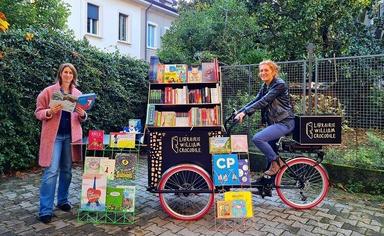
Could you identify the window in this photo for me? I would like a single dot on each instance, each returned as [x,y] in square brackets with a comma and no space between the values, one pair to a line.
[123,26]
[151,34]
[93,19]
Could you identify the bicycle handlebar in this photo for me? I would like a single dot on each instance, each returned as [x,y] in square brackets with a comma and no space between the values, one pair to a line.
[231,121]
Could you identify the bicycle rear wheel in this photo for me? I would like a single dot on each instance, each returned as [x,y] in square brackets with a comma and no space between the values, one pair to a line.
[182,199]
[303,185]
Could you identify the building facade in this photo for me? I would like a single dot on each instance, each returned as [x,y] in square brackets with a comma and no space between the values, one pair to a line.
[134,27]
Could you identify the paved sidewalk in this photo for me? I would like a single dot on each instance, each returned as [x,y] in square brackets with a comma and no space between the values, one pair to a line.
[336,216]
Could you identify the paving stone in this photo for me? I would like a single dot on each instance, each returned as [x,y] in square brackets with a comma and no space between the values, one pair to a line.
[339,230]
[371,227]
[273,230]
[354,228]
[319,230]
[299,219]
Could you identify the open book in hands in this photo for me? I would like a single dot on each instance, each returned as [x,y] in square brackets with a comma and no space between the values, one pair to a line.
[69,101]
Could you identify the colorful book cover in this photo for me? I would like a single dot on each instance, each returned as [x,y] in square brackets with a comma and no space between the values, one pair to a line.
[122,140]
[160,73]
[244,174]
[219,145]
[114,198]
[93,192]
[95,140]
[194,74]
[243,195]
[153,67]
[68,101]
[107,167]
[92,165]
[134,126]
[225,169]
[239,143]
[125,165]
[150,114]
[168,119]
[208,72]
[238,208]
[86,101]
[224,209]
[128,198]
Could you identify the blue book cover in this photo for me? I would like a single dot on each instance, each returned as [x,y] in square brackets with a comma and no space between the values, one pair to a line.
[225,169]
[86,101]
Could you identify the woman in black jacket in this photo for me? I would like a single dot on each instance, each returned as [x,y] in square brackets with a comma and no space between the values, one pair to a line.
[276,111]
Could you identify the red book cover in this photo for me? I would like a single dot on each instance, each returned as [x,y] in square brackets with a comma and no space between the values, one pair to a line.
[95,140]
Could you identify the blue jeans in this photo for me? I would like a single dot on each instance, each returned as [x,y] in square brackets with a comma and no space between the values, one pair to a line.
[266,139]
[61,165]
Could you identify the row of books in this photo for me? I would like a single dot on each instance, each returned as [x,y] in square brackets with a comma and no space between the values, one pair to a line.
[207,72]
[184,95]
[116,140]
[194,117]
[235,205]
[229,170]
[122,167]
[234,143]
[97,195]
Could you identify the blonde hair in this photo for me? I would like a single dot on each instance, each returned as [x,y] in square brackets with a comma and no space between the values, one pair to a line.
[272,65]
[74,72]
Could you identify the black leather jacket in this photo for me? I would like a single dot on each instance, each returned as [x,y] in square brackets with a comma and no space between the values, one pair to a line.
[273,101]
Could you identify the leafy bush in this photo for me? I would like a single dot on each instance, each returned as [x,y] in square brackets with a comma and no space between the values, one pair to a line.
[29,60]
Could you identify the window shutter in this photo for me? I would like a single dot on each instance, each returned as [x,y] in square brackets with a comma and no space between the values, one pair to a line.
[93,12]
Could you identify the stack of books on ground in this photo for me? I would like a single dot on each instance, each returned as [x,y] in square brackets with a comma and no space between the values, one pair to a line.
[228,168]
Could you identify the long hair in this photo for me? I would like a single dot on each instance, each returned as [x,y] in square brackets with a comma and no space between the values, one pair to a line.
[272,65]
[74,72]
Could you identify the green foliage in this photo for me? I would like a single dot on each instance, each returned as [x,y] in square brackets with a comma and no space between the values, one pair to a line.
[28,66]
[47,14]
[247,31]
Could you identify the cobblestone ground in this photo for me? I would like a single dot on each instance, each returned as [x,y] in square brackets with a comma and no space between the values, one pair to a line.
[336,216]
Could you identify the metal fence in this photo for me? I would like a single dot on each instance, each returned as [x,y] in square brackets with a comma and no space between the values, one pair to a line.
[352,87]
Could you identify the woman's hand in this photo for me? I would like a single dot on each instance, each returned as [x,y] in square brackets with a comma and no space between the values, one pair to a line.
[240,117]
[54,110]
[80,111]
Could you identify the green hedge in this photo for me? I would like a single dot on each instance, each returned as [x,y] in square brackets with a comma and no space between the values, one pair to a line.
[29,60]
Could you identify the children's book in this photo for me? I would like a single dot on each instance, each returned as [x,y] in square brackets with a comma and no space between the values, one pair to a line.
[68,101]
[224,209]
[244,174]
[134,126]
[219,145]
[95,140]
[107,167]
[86,101]
[225,169]
[125,165]
[194,74]
[239,143]
[175,73]
[92,165]
[128,198]
[238,208]
[208,72]
[243,195]
[122,140]
[93,192]
[114,198]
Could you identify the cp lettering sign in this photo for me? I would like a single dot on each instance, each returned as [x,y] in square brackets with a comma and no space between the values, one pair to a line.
[225,163]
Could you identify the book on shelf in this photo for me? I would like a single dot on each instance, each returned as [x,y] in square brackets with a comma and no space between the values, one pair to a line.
[239,143]
[246,196]
[194,74]
[129,193]
[114,198]
[153,67]
[150,114]
[69,102]
[92,165]
[224,209]
[168,119]
[125,165]
[95,140]
[107,167]
[219,145]
[175,73]
[93,192]
[209,71]
[225,169]
[244,172]
[122,140]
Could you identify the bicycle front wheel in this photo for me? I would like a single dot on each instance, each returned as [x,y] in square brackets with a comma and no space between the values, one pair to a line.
[302,183]
[186,192]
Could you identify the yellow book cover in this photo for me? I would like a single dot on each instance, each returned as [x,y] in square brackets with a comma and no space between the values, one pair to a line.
[243,195]
[122,140]
[224,209]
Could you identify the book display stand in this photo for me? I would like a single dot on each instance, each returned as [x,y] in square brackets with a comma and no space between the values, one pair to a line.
[231,169]
[108,191]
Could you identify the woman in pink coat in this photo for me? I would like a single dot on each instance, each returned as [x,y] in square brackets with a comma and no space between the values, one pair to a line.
[59,129]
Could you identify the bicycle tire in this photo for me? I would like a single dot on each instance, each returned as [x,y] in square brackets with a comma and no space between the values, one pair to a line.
[303,185]
[186,206]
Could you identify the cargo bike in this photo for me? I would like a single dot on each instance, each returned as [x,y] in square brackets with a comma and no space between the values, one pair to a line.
[180,166]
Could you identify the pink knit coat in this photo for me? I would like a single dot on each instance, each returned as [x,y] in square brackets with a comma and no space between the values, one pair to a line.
[50,126]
